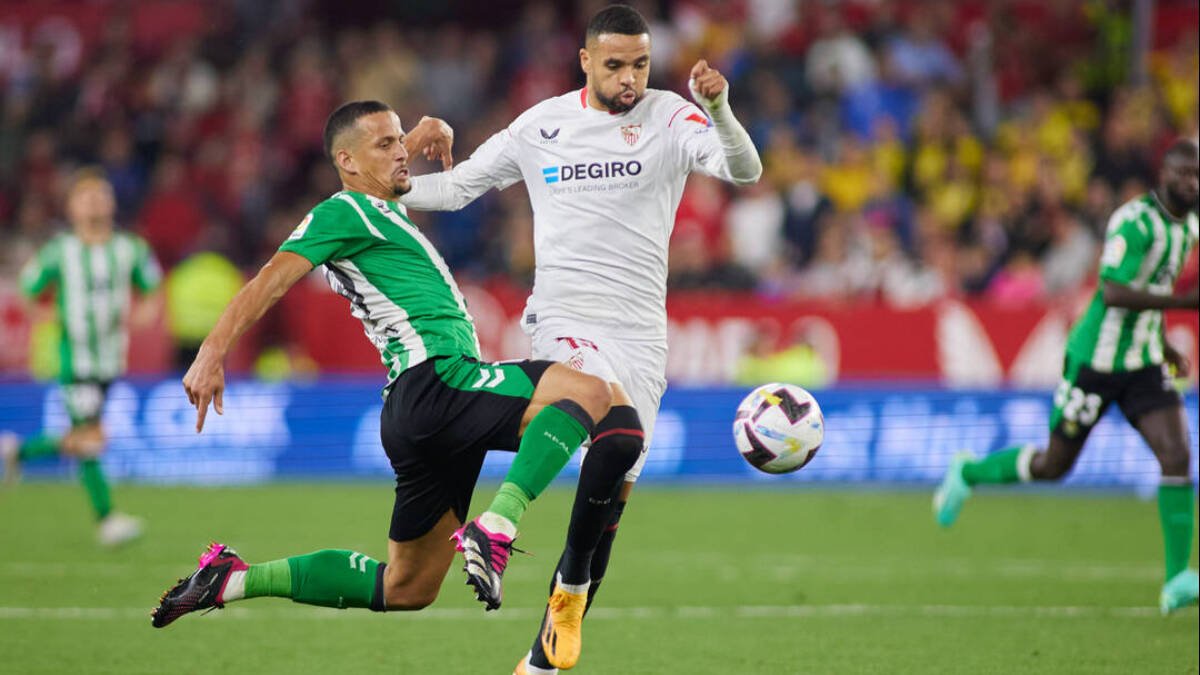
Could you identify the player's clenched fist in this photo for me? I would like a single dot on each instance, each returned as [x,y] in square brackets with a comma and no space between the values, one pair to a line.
[434,139]
[709,87]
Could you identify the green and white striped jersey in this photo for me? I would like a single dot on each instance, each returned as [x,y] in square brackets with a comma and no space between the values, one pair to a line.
[396,281]
[92,285]
[1144,248]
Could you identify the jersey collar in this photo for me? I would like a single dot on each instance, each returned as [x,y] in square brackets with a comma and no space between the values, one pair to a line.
[583,103]
[1162,208]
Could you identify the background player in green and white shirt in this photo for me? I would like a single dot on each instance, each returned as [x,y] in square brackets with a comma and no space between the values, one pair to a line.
[1117,353]
[443,408]
[92,272]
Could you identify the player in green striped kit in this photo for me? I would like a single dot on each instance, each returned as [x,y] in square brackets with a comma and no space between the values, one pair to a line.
[443,407]
[92,271]
[1116,353]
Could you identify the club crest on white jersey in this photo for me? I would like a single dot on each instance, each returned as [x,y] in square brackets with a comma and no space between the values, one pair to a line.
[631,133]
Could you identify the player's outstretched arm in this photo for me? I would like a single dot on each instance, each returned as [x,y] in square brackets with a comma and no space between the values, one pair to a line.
[1120,295]
[205,379]
[492,165]
[711,90]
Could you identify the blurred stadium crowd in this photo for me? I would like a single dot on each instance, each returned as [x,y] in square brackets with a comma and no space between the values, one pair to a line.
[914,150]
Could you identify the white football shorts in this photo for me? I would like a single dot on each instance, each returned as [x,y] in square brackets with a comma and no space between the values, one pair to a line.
[639,366]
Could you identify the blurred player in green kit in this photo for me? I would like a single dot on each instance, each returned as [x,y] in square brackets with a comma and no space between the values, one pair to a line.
[1117,353]
[91,271]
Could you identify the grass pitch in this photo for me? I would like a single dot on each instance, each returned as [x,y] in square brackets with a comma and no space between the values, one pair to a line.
[705,580]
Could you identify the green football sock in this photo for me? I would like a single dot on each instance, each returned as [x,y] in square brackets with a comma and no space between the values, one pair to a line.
[998,467]
[96,486]
[269,579]
[328,578]
[1176,512]
[41,445]
[549,441]
[510,501]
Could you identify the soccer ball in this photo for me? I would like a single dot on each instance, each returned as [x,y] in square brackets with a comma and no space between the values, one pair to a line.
[778,428]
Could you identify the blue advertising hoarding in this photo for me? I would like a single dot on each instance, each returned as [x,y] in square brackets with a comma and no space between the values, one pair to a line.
[329,429]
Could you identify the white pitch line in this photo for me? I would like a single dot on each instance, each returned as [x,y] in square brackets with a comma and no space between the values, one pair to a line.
[621,613]
[785,567]
[782,568]
[84,568]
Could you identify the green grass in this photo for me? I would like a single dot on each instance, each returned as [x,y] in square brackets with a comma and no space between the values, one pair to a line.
[752,580]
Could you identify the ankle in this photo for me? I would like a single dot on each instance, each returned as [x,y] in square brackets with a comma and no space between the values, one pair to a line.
[575,568]
[573,588]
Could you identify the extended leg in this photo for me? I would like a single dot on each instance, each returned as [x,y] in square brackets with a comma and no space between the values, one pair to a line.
[327,578]
[1009,465]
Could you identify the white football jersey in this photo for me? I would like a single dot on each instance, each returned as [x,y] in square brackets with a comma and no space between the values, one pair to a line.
[604,189]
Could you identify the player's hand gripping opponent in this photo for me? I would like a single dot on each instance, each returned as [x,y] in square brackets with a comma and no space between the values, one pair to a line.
[709,87]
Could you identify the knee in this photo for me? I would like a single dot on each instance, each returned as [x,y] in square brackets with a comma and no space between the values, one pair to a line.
[619,450]
[619,439]
[593,394]
[85,442]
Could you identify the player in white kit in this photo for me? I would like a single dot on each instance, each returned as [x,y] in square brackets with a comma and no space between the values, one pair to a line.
[605,168]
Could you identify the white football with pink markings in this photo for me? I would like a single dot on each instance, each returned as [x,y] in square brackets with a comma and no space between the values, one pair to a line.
[778,428]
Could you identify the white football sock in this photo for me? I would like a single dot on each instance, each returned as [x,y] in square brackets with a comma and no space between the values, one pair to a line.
[235,588]
[494,522]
